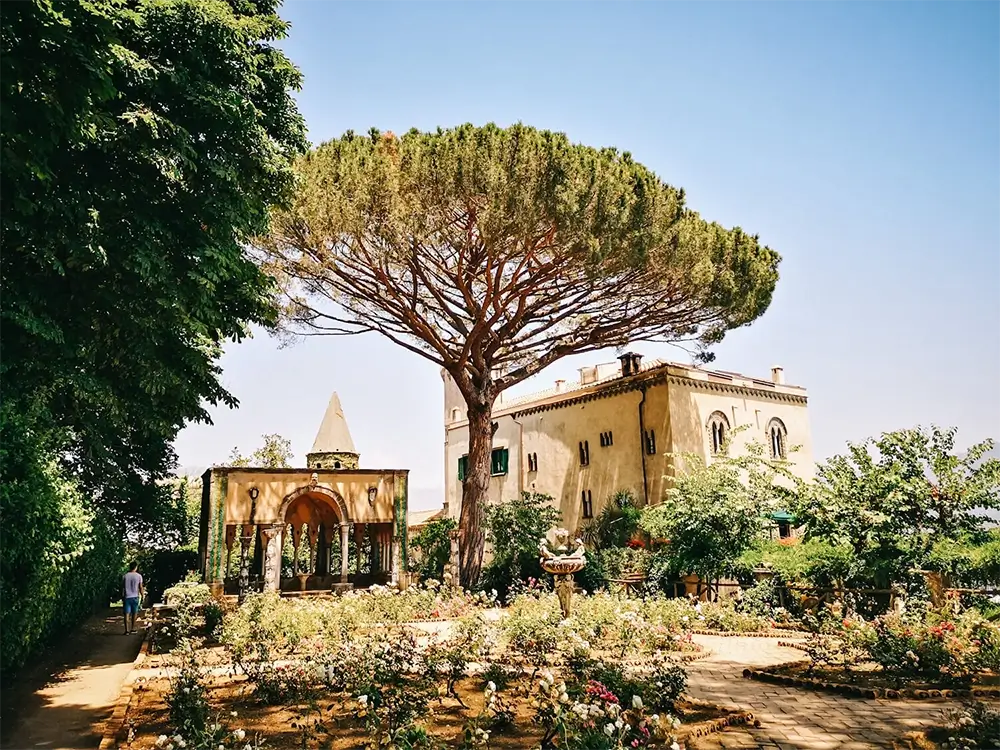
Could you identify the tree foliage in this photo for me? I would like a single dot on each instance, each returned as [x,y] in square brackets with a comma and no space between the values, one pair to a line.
[494,252]
[891,498]
[432,548]
[143,144]
[713,514]
[275,453]
[514,529]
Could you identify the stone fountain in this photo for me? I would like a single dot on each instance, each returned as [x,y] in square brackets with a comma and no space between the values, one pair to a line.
[562,564]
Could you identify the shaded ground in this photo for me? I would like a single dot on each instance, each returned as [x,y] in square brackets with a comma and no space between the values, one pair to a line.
[62,700]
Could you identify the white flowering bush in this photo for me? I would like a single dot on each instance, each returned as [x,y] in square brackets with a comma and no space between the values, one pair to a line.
[452,655]
[597,718]
[976,726]
[193,727]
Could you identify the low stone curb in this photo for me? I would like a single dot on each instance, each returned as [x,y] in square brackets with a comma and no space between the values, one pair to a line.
[757,634]
[710,726]
[117,729]
[859,691]
[798,645]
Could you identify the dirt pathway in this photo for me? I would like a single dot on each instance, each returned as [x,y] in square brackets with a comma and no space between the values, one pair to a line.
[795,718]
[63,699]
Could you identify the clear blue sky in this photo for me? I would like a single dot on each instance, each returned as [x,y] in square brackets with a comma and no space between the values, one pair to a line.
[862,141]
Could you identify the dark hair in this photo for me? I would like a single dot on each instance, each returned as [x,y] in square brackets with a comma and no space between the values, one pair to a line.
[133,566]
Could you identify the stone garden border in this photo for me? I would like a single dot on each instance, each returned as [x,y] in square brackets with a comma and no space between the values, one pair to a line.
[770,675]
[117,729]
[734,717]
[776,633]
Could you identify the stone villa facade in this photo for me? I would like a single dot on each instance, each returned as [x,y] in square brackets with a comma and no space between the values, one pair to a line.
[615,428]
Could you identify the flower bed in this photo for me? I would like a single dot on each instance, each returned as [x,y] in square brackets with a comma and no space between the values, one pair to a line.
[917,653]
[345,672]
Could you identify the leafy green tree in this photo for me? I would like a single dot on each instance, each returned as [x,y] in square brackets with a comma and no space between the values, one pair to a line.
[275,453]
[143,144]
[713,514]
[891,498]
[514,529]
[432,548]
[494,252]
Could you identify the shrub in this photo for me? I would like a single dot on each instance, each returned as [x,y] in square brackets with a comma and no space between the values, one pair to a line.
[596,718]
[928,644]
[513,529]
[60,559]
[393,686]
[283,683]
[531,629]
[975,725]
[432,548]
[162,569]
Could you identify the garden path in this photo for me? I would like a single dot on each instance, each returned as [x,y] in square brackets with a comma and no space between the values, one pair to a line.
[63,700]
[796,718]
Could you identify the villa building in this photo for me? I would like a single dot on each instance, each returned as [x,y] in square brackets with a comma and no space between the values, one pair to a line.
[620,427]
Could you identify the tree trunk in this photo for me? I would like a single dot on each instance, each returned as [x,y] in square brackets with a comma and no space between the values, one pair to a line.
[475,493]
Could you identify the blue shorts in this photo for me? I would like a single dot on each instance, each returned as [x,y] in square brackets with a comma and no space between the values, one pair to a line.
[132,605]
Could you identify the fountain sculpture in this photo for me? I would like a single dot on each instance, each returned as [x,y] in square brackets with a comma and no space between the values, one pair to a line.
[562,564]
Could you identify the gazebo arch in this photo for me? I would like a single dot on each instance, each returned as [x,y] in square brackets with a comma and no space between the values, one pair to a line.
[309,489]
[316,495]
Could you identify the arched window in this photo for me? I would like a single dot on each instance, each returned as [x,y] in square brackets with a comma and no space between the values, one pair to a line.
[777,437]
[718,430]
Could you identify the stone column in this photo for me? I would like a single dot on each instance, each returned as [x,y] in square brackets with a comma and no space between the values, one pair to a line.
[394,562]
[271,541]
[345,530]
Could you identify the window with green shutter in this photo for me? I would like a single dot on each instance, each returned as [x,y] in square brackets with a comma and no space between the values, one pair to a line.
[498,461]
[463,468]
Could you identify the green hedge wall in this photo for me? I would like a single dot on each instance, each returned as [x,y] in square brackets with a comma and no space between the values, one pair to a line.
[59,560]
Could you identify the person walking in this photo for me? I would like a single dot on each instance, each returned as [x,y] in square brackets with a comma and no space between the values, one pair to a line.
[132,594]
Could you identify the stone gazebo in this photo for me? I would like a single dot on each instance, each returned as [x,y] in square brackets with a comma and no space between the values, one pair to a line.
[331,526]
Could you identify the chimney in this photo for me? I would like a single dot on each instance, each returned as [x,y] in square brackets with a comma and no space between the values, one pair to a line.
[588,375]
[630,363]
[560,386]
[778,375]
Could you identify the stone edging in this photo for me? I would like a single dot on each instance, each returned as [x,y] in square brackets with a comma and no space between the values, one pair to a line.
[710,726]
[116,730]
[858,691]
[757,634]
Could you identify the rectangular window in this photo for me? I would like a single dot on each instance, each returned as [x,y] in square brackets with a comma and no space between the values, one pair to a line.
[584,453]
[532,462]
[498,461]
[607,439]
[651,442]
[588,504]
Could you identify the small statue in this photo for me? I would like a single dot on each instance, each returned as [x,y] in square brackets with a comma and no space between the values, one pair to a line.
[562,564]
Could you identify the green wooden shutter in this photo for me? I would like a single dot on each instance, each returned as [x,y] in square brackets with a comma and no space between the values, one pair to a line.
[463,467]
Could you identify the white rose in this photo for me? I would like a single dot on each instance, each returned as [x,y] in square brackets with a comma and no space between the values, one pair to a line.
[491,686]
[636,701]
[675,746]
[239,734]
[161,740]
[363,700]
[609,729]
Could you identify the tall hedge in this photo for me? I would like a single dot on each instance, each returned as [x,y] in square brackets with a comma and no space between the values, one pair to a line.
[60,558]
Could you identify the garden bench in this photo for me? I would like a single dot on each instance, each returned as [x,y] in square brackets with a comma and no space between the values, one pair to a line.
[632,583]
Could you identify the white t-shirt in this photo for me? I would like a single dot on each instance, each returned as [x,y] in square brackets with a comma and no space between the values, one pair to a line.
[132,583]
